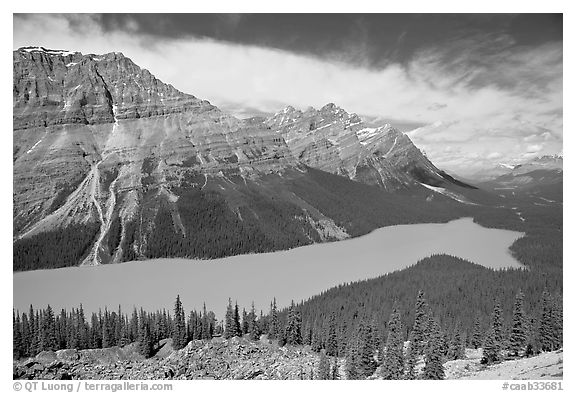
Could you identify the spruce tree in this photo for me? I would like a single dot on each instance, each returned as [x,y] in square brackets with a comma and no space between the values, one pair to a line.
[518,334]
[237,327]
[145,343]
[245,322]
[331,340]
[365,363]
[229,326]
[273,327]
[457,349]
[334,374]
[323,366]
[351,361]
[421,321]
[433,368]
[491,350]
[17,342]
[497,324]
[476,340]
[253,327]
[179,334]
[411,360]
[293,326]
[393,353]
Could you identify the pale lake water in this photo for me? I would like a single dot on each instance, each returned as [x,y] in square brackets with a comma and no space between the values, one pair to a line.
[294,274]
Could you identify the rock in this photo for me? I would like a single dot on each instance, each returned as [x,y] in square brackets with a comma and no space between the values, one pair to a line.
[46,357]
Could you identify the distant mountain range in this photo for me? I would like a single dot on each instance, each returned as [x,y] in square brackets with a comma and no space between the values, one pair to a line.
[111,164]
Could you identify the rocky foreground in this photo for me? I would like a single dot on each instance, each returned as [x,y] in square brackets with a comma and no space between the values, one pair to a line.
[236,358]
[239,358]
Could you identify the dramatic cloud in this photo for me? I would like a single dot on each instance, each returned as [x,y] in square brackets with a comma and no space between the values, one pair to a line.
[471,102]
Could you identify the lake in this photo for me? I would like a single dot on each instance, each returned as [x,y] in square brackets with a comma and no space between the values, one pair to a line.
[293,274]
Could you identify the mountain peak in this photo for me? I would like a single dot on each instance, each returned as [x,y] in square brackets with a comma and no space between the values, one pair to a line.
[62,87]
[41,49]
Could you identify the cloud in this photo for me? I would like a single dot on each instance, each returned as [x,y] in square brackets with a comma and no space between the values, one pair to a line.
[534,148]
[482,100]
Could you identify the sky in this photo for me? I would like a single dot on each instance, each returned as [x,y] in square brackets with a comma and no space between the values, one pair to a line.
[471,90]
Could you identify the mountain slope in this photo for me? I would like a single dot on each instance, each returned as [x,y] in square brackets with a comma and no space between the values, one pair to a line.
[111,164]
[338,142]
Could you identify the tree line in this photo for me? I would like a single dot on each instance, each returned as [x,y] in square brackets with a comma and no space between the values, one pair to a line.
[361,346]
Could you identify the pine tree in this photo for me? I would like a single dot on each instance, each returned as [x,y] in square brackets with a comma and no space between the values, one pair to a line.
[47,339]
[393,353]
[179,334]
[421,321]
[351,360]
[145,343]
[433,368]
[365,363]
[497,324]
[334,371]
[323,366]
[106,337]
[237,327]
[245,323]
[293,326]
[331,340]
[273,327]
[476,340]
[518,334]
[411,360]
[253,328]
[491,350]
[230,327]
[17,342]
[456,349]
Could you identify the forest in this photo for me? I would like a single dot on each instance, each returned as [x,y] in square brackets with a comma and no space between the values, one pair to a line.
[364,336]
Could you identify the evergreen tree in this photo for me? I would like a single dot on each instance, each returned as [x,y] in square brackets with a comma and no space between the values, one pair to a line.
[253,327]
[421,321]
[47,339]
[411,360]
[237,327]
[497,324]
[331,340]
[245,322]
[17,342]
[476,340]
[393,353]
[491,350]
[456,349]
[145,343]
[179,333]
[293,331]
[273,327]
[351,359]
[229,327]
[334,371]
[518,334]
[365,363]
[323,366]
[433,368]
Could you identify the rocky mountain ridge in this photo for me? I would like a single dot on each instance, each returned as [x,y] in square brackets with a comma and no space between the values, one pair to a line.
[123,166]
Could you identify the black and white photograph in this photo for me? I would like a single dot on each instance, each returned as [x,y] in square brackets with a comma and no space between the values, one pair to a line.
[287,196]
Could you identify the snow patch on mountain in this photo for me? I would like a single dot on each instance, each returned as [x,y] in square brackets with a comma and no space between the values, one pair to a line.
[448,193]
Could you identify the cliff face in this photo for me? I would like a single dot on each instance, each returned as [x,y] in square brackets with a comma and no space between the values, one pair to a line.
[60,87]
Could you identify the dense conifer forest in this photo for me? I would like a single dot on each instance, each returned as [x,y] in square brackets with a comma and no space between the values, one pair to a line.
[364,335]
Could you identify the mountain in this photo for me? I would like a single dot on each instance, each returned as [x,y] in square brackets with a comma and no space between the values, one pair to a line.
[540,178]
[338,142]
[551,163]
[110,164]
